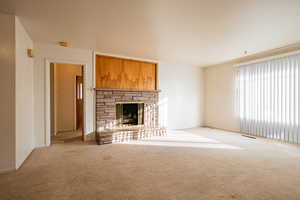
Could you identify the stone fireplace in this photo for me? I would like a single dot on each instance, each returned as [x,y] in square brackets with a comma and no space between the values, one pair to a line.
[126,99]
[115,108]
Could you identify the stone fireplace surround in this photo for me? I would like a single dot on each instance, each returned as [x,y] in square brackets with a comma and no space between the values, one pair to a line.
[106,100]
[109,130]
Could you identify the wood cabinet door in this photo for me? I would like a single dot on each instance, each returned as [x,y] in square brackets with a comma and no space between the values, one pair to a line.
[108,72]
[118,73]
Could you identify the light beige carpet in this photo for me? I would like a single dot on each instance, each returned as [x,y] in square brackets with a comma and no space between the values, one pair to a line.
[186,165]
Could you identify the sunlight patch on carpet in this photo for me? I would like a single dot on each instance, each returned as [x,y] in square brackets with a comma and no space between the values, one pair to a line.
[182,139]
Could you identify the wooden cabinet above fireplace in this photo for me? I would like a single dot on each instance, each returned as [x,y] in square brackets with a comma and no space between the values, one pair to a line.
[120,73]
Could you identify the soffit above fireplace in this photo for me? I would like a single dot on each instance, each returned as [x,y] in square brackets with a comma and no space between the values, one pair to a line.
[125,74]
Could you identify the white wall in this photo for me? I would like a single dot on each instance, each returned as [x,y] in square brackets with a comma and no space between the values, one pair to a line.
[181,95]
[219,97]
[7,87]
[219,92]
[24,95]
[56,53]
[180,84]
[16,82]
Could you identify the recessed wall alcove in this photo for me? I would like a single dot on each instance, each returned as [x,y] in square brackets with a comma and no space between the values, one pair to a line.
[126,99]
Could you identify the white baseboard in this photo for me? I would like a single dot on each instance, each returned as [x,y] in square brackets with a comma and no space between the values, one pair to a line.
[7,170]
[20,162]
[41,146]
[65,130]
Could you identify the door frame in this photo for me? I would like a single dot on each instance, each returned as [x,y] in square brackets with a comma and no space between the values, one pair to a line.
[47,101]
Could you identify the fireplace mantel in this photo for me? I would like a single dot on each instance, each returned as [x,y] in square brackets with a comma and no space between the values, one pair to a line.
[125,90]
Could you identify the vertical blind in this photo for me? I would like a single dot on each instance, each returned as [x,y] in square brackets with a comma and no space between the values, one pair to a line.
[268,98]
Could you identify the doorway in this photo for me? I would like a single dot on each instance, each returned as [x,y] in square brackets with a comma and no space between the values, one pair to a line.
[66,102]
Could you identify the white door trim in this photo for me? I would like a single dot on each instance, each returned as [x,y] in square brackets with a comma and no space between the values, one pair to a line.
[47,136]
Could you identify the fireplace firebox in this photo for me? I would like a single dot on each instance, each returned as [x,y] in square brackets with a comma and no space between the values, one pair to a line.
[130,113]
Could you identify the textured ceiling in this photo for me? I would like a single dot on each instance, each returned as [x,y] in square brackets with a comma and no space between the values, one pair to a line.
[197,32]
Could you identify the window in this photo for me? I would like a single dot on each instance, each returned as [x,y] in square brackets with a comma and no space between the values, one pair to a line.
[268,98]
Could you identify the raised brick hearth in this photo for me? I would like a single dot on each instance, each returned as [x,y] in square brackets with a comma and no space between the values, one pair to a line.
[106,106]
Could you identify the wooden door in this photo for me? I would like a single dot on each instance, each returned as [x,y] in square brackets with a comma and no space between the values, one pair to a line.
[79,102]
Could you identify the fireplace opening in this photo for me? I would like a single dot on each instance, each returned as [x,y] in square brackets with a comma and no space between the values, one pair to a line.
[130,113]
